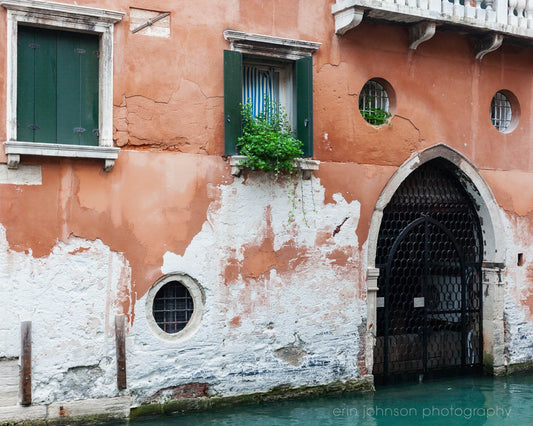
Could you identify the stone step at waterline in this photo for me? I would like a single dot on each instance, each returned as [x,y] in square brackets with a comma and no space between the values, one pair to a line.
[9,382]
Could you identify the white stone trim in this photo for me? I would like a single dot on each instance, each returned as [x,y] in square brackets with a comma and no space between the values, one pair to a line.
[306,165]
[493,245]
[273,47]
[498,17]
[26,174]
[14,149]
[62,17]
[198,300]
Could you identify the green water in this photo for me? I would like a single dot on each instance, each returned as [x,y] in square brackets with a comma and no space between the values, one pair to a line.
[458,401]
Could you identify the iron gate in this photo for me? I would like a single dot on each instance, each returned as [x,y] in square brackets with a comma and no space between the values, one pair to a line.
[429,299]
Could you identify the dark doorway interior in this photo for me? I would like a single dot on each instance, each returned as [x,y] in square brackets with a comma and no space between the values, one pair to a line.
[429,301]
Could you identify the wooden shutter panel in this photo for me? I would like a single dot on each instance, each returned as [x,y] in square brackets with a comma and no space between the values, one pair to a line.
[304,103]
[232,100]
[36,85]
[77,89]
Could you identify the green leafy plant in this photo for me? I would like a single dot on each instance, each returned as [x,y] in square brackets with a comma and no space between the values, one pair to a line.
[376,116]
[267,140]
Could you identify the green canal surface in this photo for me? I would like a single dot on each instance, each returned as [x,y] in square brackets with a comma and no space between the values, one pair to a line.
[457,401]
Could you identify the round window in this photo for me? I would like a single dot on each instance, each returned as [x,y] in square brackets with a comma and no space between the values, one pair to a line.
[504,111]
[174,307]
[374,102]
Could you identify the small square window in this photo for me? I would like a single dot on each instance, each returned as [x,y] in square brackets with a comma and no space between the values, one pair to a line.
[57,87]
[60,81]
[260,66]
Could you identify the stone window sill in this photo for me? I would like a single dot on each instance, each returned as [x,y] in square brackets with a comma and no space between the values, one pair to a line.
[14,149]
[306,165]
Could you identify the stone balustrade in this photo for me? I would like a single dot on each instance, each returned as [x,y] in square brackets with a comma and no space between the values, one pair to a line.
[501,17]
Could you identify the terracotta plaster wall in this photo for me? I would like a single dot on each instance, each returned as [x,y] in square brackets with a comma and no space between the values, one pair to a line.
[442,95]
[148,204]
[180,210]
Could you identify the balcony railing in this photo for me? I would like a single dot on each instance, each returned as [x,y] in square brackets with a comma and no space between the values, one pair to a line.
[501,17]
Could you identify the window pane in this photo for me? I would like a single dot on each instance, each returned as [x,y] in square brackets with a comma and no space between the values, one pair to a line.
[500,111]
[173,307]
[259,83]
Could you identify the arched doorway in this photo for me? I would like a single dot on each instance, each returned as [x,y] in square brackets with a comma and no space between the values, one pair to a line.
[429,253]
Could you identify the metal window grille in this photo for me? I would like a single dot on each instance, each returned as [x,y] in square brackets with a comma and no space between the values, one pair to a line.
[173,307]
[373,100]
[500,111]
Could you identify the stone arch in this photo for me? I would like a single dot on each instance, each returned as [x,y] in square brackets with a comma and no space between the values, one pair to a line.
[493,251]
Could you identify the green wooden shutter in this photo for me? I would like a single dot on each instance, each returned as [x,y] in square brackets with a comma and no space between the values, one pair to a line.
[304,103]
[77,89]
[57,87]
[36,85]
[232,100]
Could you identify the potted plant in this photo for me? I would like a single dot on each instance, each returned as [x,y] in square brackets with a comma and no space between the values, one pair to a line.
[267,142]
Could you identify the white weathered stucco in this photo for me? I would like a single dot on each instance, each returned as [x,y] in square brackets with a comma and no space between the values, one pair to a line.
[71,297]
[299,327]
[517,316]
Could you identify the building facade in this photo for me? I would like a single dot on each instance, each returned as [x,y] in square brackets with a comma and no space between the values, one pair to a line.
[141,263]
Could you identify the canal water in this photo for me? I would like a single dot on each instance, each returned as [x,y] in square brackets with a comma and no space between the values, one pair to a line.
[458,401]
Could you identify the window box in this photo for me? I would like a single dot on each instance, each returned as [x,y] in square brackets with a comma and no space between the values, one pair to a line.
[306,165]
[35,26]
[280,68]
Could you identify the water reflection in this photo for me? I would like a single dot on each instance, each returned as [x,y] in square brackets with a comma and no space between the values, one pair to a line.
[458,401]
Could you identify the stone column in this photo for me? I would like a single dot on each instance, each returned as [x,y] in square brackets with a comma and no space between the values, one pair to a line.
[494,361]
[371,298]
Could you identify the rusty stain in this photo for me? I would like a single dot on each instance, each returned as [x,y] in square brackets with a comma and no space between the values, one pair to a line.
[79,250]
[338,227]
[235,321]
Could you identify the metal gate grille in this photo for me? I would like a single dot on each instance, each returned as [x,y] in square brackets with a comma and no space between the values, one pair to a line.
[429,299]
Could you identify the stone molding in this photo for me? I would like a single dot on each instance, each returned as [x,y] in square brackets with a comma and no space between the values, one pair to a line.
[62,17]
[274,47]
[306,165]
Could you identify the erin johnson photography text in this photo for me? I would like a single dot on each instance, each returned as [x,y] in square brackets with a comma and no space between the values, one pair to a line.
[424,412]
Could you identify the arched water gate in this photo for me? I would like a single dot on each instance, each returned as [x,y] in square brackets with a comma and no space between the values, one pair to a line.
[429,299]
[434,278]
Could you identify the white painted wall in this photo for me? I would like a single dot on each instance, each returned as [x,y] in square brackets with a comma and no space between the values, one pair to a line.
[518,287]
[71,297]
[314,311]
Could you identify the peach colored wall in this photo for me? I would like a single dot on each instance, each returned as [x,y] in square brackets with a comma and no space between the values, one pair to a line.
[168,119]
[168,96]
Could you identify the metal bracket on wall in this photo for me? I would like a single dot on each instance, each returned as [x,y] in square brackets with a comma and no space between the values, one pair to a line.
[150,22]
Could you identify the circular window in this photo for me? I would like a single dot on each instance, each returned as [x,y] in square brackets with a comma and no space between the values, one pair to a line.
[375,102]
[174,307]
[504,111]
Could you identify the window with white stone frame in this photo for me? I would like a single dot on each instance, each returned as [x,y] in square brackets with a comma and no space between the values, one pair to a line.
[174,307]
[35,23]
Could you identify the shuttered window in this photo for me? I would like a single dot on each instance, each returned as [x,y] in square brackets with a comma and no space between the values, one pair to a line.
[57,86]
[247,82]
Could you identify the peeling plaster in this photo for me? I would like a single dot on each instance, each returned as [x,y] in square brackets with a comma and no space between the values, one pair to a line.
[519,291]
[254,309]
[71,297]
